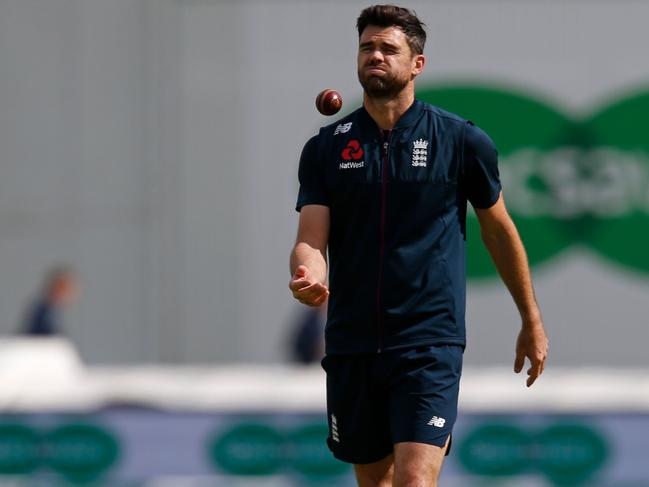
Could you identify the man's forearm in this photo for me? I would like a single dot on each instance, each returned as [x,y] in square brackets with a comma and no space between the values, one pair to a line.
[508,254]
[313,258]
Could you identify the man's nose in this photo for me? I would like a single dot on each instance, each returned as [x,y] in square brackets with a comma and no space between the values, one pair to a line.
[376,56]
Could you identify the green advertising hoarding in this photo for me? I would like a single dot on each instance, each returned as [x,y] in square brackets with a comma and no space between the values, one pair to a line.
[77,452]
[567,180]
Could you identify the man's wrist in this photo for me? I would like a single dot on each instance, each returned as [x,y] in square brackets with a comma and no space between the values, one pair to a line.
[531,319]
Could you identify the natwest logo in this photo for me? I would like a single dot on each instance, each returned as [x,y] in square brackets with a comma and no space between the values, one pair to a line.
[353,151]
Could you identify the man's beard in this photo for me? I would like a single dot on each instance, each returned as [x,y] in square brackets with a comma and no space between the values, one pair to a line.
[382,88]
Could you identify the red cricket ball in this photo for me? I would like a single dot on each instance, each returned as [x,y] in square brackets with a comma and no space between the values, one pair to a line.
[329,102]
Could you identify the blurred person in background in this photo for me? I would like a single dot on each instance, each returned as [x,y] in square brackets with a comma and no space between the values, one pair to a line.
[59,289]
[307,336]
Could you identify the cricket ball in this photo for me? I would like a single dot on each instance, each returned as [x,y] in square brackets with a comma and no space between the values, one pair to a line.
[329,102]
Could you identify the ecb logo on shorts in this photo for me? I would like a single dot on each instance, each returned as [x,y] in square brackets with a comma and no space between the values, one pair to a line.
[437,422]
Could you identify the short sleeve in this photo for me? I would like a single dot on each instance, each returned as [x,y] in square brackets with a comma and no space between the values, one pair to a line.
[311,176]
[481,176]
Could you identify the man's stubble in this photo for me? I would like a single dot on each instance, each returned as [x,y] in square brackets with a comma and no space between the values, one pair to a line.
[386,87]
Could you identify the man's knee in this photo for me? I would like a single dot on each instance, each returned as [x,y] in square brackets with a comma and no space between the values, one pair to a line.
[415,481]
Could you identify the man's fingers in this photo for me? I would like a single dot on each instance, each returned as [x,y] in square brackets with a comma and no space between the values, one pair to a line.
[314,301]
[301,271]
[299,276]
[311,294]
[297,284]
[305,290]
[531,379]
[534,371]
[318,301]
[519,362]
[313,289]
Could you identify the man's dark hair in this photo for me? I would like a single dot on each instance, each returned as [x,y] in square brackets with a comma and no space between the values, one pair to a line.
[393,16]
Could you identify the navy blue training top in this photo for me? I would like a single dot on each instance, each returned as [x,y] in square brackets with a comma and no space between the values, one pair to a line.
[397,203]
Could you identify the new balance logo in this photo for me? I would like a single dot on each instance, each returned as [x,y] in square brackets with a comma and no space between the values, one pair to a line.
[437,422]
[343,128]
[334,429]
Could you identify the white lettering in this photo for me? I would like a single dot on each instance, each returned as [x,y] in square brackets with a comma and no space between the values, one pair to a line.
[570,182]
[351,165]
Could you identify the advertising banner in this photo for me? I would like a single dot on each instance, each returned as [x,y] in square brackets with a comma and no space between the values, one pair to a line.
[569,181]
[136,447]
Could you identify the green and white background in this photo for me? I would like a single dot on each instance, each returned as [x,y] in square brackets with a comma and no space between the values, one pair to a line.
[154,145]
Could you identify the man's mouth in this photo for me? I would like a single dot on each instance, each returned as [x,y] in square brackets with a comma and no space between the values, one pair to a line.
[374,70]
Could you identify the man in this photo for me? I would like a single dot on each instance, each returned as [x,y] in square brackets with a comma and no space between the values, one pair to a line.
[60,288]
[384,192]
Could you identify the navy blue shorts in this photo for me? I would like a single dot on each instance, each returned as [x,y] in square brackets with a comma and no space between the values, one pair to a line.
[377,400]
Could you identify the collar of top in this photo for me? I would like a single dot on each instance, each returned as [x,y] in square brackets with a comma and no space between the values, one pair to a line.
[410,116]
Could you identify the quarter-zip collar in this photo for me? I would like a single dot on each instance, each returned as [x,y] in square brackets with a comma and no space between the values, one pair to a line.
[410,116]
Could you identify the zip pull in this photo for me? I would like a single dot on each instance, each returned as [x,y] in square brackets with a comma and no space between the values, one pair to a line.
[385,134]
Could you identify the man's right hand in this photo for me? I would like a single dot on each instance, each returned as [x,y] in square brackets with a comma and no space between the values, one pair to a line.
[306,289]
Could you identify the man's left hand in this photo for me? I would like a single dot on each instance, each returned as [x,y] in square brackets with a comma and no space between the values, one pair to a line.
[533,344]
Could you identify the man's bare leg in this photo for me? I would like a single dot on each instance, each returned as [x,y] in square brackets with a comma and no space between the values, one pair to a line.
[377,474]
[417,464]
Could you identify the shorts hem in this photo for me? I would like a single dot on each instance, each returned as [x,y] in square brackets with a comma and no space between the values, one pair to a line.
[438,441]
[358,460]
[459,341]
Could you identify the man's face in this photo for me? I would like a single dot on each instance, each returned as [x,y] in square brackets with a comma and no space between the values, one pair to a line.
[65,289]
[385,62]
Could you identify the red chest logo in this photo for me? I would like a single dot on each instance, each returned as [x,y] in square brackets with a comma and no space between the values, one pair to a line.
[352,151]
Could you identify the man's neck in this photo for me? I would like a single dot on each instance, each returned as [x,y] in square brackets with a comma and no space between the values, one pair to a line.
[387,112]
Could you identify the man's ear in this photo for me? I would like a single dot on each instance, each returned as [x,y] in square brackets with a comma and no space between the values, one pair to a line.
[418,64]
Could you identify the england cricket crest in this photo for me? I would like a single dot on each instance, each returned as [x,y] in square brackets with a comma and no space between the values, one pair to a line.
[420,153]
